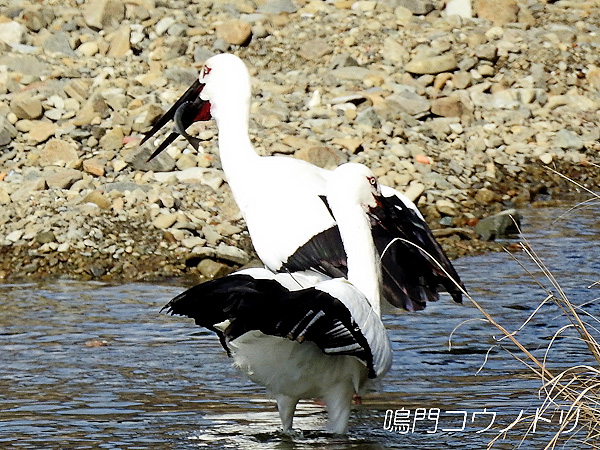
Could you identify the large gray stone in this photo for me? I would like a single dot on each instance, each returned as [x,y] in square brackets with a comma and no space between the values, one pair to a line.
[499,225]
[58,43]
[160,163]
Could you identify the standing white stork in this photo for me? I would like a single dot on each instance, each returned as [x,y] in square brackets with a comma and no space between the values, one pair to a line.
[280,198]
[300,336]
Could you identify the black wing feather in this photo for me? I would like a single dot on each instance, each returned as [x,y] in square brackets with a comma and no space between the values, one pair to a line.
[264,305]
[324,253]
[410,276]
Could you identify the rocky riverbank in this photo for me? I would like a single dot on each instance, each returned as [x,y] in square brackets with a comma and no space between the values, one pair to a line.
[464,114]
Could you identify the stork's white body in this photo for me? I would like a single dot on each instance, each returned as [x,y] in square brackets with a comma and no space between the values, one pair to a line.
[292,371]
[295,368]
[281,198]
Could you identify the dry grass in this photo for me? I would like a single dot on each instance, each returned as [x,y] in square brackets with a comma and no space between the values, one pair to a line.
[577,387]
[573,392]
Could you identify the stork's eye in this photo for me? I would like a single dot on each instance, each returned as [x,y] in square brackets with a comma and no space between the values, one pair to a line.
[372,181]
[205,71]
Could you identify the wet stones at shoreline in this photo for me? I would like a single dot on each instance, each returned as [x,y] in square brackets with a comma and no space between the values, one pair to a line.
[462,113]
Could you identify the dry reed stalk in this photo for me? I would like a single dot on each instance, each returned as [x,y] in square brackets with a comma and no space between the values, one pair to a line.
[579,385]
[580,389]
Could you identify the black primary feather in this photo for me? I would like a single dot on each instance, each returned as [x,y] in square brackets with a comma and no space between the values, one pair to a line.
[411,277]
[264,305]
[324,253]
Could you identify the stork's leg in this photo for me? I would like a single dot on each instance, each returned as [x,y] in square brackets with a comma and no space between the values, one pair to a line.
[286,406]
[339,404]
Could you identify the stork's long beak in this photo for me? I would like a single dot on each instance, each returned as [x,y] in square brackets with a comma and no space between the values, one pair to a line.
[188,109]
[379,212]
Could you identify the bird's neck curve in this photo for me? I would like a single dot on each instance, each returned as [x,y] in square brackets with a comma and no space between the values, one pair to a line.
[364,269]
[235,149]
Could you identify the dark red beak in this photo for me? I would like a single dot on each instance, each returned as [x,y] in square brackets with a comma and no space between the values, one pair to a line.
[194,109]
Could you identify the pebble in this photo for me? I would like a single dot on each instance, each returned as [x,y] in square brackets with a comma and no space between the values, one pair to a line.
[41,131]
[459,113]
[88,49]
[433,64]
[138,160]
[4,197]
[45,237]
[119,42]
[546,158]
[499,12]
[232,254]
[58,152]
[566,139]
[7,131]
[235,32]
[314,49]
[461,8]
[25,106]
[420,7]
[112,139]
[14,236]
[414,191]
[211,234]
[210,269]
[58,43]
[63,178]
[95,166]
[485,196]
[277,7]
[99,14]
[394,51]
[99,199]
[27,190]
[445,207]
[163,25]
[447,107]
[411,102]
[164,221]
[498,225]
[12,33]
[320,156]
[192,242]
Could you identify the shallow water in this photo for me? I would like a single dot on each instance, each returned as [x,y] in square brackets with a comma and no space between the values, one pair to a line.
[94,365]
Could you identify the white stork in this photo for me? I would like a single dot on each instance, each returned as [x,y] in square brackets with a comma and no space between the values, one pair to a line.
[299,334]
[291,228]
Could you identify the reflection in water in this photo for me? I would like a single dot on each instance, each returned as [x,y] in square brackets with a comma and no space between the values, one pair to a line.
[91,365]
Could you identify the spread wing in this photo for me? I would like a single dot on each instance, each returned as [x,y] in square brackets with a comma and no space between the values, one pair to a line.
[234,305]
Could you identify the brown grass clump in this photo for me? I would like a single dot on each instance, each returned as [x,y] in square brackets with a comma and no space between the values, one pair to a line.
[577,386]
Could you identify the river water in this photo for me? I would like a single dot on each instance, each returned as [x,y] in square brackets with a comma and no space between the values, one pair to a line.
[94,365]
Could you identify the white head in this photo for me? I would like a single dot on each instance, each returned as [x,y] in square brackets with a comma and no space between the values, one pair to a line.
[225,79]
[222,92]
[353,184]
